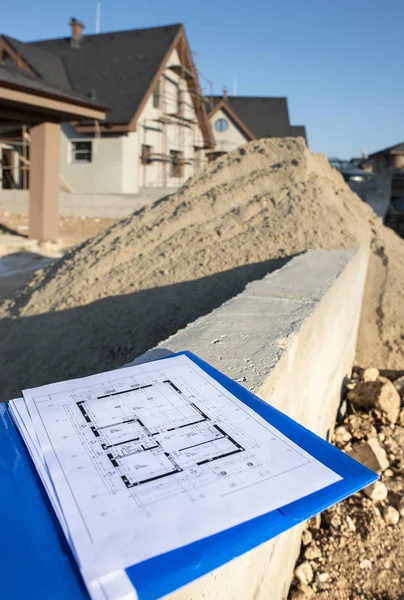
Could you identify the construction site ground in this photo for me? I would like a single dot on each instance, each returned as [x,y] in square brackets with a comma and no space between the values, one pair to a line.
[20,257]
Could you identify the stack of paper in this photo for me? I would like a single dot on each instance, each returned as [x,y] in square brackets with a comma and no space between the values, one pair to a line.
[144,460]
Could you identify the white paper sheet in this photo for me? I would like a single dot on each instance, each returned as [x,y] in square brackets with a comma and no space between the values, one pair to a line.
[150,458]
[114,586]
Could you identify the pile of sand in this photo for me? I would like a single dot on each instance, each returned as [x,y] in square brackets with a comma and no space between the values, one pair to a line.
[150,274]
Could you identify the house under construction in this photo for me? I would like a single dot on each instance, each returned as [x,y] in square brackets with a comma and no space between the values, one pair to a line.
[158,131]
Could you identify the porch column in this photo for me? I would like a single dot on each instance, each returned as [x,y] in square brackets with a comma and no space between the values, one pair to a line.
[44,181]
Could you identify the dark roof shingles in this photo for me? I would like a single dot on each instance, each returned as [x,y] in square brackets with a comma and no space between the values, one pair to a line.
[117,67]
[15,78]
[47,65]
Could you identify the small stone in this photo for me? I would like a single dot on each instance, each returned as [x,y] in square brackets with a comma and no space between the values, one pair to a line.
[361,427]
[312,552]
[303,592]
[370,454]
[351,524]
[365,564]
[401,507]
[335,522]
[370,374]
[399,385]
[342,435]
[314,522]
[307,537]
[391,515]
[376,491]
[304,573]
[241,379]
[388,473]
[380,394]
[323,577]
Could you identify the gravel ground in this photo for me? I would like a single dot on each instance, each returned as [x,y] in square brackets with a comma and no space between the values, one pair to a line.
[355,550]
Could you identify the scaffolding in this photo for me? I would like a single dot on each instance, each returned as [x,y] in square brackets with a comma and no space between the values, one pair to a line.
[15,160]
[174,122]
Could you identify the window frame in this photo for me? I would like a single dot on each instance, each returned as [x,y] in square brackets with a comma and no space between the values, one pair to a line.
[146,153]
[73,152]
[157,95]
[176,164]
[224,121]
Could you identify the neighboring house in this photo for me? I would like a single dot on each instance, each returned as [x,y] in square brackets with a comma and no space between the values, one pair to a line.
[236,120]
[157,131]
[387,159]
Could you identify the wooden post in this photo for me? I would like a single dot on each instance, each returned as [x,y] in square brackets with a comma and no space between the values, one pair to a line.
[44,181]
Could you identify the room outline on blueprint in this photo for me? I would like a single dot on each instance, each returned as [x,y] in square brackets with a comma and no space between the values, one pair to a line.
[164,443]
[156,430]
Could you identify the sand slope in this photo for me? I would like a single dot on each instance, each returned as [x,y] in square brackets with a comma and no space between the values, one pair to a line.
[152,273]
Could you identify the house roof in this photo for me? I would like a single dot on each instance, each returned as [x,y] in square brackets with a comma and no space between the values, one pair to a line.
[116,68]
[46,65]
[397,149]
[18,80]
[262,116]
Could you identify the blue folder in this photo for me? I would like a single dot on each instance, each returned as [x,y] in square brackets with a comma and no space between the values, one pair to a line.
[36,562]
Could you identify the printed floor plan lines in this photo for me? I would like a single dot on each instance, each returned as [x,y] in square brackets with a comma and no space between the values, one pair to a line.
[145,449]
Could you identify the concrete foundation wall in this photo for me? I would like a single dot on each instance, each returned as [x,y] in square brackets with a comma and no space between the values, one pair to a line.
[112,206]
[290,338]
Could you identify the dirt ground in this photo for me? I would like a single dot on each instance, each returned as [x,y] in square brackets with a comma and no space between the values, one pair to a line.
[72,230]
[355,550]
[21,257]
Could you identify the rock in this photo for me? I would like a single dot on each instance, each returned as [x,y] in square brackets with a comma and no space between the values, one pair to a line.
[323,577]
[335,522]
[307,537]
[351,524]
[391,515]
[312,552]
[399,385]
[370,454]
[388,473]
[361,427]
[365,564]
[370,374]
[303,592]
[342,435]
[401,418]
[380,394]
[304,573]
[401,507]
[314,522]
[376,491]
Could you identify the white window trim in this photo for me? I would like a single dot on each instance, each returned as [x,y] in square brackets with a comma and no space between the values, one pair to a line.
[71,152]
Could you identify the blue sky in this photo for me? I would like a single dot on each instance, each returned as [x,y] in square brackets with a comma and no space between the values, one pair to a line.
[339,62]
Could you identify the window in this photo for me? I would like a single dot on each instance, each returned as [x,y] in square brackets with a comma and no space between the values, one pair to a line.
[179,101]
[156,96]
[146,154]
[221,125]
[176,163]
[82,152]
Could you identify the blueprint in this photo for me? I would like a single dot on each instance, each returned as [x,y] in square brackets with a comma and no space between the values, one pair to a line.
[150,458]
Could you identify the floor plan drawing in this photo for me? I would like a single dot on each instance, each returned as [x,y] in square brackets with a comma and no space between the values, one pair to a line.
[161,447]
[153,431]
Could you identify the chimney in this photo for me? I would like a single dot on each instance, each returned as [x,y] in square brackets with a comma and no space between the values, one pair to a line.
[224,93]
[77,32]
